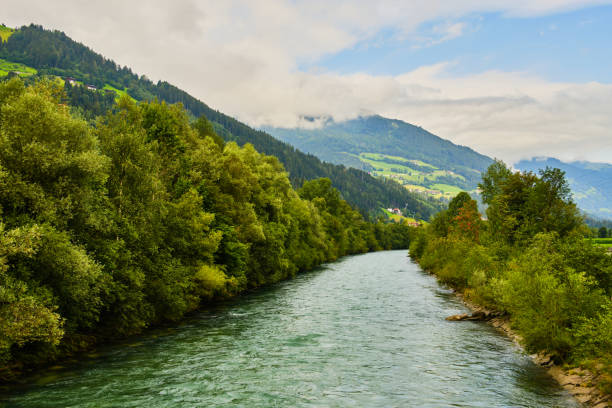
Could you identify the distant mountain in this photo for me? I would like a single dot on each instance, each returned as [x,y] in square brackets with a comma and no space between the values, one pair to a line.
[591,183]
[94,78]
[391,148]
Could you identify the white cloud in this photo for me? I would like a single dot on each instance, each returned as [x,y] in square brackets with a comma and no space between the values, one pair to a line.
[243,57]
[439,34]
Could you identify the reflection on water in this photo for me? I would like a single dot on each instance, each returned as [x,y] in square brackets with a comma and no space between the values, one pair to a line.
[368,330]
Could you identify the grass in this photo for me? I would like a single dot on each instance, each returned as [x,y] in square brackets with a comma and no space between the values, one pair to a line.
[411,178]
[22,70]
[118,92]
[447,188]
[5,32]
[397,218]
[603,242]
[380,157]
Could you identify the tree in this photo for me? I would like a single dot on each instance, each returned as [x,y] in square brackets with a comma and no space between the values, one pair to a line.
[602,232]
[522,205]
[26,314]
[492,180]
[467,223]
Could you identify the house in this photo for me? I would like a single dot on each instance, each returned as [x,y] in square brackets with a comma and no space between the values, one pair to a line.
[92,88]
[70,80]
[396,211]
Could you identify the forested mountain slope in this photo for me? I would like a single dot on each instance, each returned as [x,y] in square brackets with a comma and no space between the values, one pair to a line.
[54,53]
[392,148]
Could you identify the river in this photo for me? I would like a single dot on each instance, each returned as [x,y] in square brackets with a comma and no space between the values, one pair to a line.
[366,331]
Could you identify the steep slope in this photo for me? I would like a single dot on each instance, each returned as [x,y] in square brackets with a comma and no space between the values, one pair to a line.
[591,183]
[392,148]
[54,53]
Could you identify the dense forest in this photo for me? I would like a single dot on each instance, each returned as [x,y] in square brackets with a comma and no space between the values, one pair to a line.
[54,53]
[137,219]
[530,260]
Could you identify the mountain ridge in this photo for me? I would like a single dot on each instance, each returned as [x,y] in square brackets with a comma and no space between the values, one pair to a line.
[346,142]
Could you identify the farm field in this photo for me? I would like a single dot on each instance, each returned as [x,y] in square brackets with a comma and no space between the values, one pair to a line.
[415,175]
[604,242]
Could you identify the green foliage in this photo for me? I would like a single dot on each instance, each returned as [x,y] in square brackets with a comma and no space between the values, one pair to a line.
[589,183]
[139,219]
[522,205]
[89,103]
[546,297]
[602,232]
[5,33]
[531,261]
[26,312]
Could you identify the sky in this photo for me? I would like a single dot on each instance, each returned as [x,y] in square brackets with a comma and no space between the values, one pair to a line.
[511,79]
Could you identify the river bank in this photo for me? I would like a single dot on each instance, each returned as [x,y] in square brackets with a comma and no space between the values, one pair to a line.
[580,382]
[81,345]
[367,330]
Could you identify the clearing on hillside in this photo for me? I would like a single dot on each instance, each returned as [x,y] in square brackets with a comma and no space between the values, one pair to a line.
[20,69]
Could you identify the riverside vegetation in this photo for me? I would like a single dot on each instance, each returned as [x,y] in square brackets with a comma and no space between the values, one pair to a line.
[529,260]
[139,218]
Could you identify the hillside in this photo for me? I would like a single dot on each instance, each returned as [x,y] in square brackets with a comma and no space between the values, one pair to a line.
[54,53]
[394,149]
[591,183]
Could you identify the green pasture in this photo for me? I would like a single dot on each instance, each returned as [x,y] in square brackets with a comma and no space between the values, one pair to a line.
[397,218]
[119,92]
[22,70]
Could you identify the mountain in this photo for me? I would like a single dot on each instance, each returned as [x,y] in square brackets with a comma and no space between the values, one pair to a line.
[93,82]
[591,183]
[417,158]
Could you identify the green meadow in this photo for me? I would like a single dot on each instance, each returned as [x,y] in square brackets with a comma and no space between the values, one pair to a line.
[8,66]
[415,175]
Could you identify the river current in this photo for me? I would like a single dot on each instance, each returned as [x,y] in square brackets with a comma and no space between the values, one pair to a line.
[366,331]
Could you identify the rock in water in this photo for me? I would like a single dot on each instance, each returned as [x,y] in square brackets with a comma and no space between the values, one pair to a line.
[457,317]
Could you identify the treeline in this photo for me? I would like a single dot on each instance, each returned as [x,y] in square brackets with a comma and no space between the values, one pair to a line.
[530,260]
[602,232]
[54,53]
[598,224]
[107,229]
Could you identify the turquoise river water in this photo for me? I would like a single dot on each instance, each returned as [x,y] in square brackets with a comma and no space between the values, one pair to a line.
[366,331]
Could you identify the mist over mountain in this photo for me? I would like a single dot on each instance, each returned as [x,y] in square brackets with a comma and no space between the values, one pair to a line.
[415,156]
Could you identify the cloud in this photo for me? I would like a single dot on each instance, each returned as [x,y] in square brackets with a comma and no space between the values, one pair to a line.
[440,34]
[243,58]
